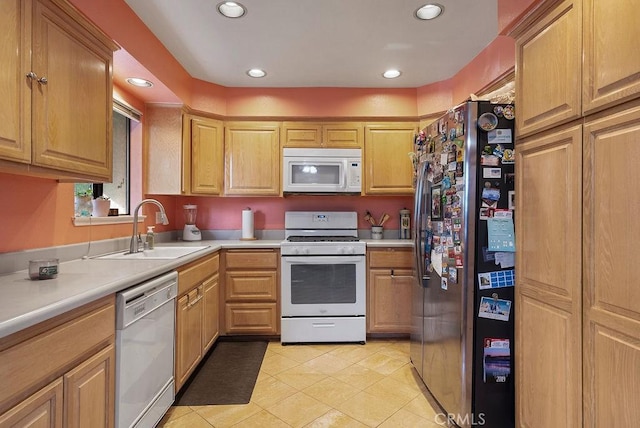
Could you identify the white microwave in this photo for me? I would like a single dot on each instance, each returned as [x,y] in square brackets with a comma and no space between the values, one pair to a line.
[322,171]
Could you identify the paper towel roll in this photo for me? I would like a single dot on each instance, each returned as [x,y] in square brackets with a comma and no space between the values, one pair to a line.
[247,224]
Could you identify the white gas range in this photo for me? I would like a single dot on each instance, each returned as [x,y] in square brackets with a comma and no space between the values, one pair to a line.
[323,279]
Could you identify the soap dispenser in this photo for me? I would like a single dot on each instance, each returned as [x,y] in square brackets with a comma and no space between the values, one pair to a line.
[150,237]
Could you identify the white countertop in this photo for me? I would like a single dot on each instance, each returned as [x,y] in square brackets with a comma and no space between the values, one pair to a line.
[388,243]
[24,302]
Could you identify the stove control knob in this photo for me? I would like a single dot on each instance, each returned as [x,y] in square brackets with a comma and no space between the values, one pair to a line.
[304,251]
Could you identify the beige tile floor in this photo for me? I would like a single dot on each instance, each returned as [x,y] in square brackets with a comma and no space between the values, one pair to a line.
[333,385]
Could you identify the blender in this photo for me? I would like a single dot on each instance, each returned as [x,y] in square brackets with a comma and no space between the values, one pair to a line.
[190,232]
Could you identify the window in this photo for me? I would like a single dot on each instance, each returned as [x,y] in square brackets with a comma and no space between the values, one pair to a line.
[119,190]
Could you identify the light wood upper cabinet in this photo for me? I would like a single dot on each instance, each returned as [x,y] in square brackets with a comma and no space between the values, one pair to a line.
[548,68]
[15,93]
[611,293]
[168,152]
[252,158]
[330,135]
[548,293]
[611,63]
[185,152]
[387,167]
[301,134]
[56,103]
[207,154]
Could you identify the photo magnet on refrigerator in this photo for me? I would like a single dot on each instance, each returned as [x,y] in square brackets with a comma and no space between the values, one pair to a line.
[495,309]
[496,360]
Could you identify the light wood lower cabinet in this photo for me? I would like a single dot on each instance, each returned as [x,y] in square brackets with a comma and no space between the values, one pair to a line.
[389,291]
[88,389]
[196,314]
[548,293]
[251,318]
[61,372]
[611,319]
[188,335]
[42,409]
[210,317]
[251,289]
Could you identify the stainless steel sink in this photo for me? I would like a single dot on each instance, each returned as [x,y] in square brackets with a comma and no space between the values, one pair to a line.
[158,253]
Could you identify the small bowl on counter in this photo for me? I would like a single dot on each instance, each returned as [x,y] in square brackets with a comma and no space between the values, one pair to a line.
[43,269]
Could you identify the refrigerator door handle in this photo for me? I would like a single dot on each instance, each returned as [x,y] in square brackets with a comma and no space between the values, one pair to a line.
[418,222]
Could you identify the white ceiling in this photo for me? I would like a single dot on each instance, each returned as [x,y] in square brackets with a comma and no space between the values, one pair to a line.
[321,43]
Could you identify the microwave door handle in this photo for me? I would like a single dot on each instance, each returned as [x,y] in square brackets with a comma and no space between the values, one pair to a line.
[345,177]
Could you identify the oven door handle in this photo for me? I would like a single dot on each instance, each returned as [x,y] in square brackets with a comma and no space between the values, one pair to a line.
[325,260]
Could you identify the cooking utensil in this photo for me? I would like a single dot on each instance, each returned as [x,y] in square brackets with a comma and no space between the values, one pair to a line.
[369,218]
[383,219]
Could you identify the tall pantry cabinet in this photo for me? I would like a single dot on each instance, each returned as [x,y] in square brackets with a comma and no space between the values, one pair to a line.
[578,147]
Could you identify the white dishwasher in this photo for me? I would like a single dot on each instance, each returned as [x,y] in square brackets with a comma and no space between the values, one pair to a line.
[145,337]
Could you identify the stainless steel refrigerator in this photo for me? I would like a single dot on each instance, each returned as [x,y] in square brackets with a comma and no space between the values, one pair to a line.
[462,341]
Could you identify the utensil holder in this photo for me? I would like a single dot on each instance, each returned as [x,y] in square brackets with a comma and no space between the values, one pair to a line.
[376,232]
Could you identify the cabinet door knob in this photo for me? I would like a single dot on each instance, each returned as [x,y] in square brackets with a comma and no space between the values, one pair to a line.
[33,76]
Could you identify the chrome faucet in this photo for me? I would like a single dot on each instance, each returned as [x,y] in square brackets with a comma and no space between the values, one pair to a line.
[133,245]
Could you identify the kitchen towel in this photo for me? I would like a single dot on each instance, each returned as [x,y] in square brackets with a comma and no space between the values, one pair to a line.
[247,224]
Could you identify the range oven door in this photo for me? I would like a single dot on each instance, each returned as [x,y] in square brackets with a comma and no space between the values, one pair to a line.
[318,286]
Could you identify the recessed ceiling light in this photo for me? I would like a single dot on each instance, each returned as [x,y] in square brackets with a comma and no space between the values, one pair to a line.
[429,11]
[231,9]
[137,81]
[256,72]
[391,74]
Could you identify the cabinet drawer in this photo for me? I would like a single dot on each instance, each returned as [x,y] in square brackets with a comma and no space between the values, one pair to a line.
[391,258]
[251,318]
[265,259]
[194,273]
[27,365]
[251,285]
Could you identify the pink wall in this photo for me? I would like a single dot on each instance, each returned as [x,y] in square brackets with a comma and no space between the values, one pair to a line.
[226,213]
[510,11]
[119,22]
[38,213]
[494,61]
[321,102]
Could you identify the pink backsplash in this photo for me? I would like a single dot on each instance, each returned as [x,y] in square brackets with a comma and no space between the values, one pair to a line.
[226,213]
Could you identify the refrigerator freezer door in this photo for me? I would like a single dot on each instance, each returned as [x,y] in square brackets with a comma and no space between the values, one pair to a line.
[421,238]
[445,368]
